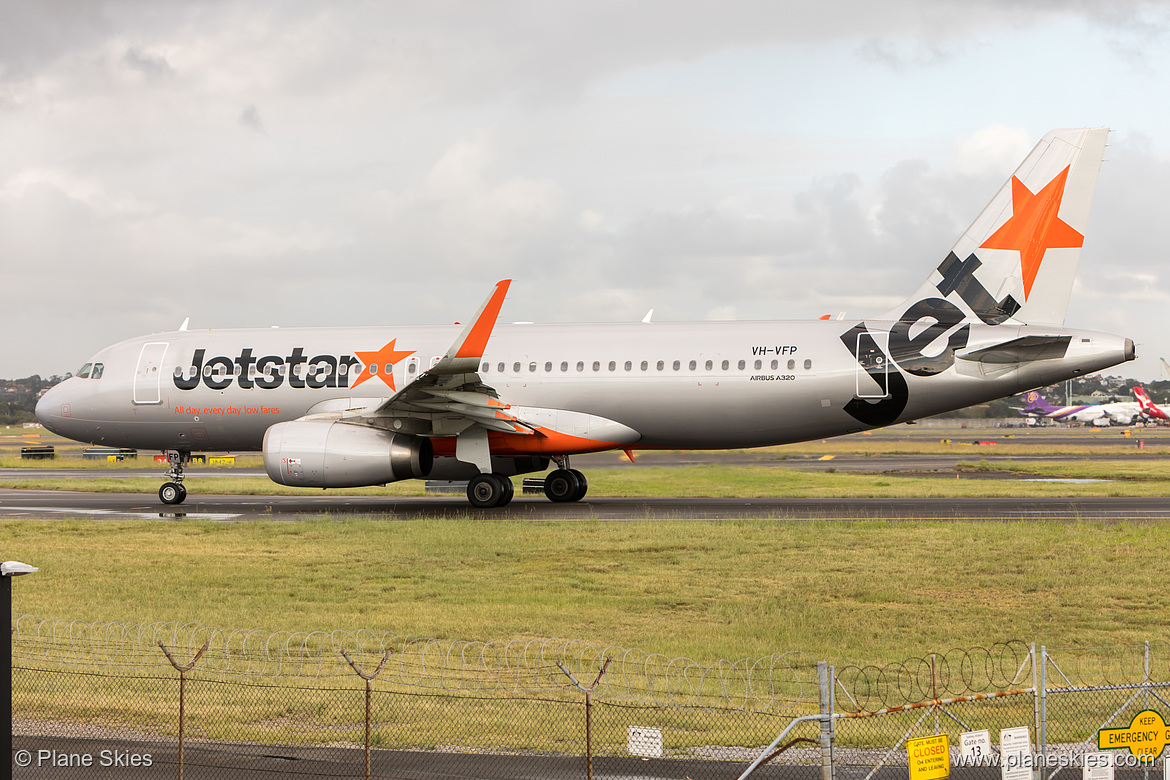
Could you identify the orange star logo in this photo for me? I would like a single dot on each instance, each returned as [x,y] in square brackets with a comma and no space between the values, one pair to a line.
[1034,227]
[382,363]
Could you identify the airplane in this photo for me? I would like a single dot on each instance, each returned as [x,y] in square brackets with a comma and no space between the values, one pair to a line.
[1120,413]
[1150,410]
[346,407]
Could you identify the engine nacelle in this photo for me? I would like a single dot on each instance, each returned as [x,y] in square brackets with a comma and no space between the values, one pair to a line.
[325,454]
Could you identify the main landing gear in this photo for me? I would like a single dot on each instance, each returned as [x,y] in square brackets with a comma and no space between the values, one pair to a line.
[564,484]
[486,491]
[173,492]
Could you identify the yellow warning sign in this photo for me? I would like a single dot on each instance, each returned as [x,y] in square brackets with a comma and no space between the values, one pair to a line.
[1146,736]
[930,757]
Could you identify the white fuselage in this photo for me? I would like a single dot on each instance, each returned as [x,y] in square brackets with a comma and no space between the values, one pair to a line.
[678,385]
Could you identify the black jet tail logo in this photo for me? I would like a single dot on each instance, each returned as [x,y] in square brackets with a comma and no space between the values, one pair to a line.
[908,352]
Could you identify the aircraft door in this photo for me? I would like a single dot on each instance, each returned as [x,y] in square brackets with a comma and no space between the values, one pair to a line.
[873,364]
[148,375]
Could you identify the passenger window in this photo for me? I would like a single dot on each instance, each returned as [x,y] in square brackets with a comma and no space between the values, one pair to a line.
[515,368]
[725,365]
[645,365]
[662,365]
[548,367]
[207,370]
[692,365]
[742,365]
[83,372]
[98,368]
[629,365]
[343,369]
[759,364]
[596,365]
[709,365]
[238,369]
[612,366]
[485,368]
[411,366]
[532,368]
[390,367]
[580,365]
[564,365]
[791,364]
[807,364]
[677,365]
[775,364]
[500,367]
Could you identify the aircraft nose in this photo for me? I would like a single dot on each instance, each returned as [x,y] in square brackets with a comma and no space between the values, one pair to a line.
[54,408]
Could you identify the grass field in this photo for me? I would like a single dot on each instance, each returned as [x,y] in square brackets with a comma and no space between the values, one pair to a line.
[1137,477]
[847,592]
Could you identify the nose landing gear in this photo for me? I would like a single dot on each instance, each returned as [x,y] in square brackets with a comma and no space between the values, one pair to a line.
[173,492]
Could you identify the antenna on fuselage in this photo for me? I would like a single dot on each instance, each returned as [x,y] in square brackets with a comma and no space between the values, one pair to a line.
[649,314]
[184,325]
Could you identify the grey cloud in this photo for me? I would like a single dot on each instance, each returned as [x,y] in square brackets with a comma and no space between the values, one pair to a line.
[153,66]
[250,118]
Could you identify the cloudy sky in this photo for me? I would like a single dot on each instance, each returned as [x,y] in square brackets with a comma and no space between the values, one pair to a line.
[306,163]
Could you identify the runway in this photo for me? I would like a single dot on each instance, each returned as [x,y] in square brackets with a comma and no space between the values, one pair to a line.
[30,504]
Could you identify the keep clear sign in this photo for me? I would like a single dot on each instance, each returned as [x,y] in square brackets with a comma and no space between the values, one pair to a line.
[1015,753]
[930,757]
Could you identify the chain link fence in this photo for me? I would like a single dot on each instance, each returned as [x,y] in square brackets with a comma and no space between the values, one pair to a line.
[161,700]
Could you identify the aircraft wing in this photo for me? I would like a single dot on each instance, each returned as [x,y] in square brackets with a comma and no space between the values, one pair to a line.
[452,400]
[450,397]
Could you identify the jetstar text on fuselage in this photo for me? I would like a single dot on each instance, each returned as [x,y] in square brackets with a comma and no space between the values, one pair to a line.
[268,372]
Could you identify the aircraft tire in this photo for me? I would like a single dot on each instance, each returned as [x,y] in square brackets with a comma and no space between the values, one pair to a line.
[486,491]
[561,486]
[509,491]
[582,485]
[172,493]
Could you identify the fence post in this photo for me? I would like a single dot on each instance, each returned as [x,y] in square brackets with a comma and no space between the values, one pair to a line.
[368,677]
[182,669]
[588,713]
[1042,730]
[1146,706]
[824,682]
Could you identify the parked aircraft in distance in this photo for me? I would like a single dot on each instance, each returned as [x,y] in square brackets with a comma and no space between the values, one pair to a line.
[1120,413]
[340,407]
[1150,410]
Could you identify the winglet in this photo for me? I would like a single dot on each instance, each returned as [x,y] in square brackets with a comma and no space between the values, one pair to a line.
[464,354]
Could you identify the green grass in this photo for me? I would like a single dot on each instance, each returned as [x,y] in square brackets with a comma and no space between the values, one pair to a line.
[846,592]
[1133,478]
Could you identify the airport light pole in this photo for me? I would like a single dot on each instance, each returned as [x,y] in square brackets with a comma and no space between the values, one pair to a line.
[8,570]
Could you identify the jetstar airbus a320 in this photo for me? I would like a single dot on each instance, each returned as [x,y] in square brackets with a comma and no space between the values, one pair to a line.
[345,407]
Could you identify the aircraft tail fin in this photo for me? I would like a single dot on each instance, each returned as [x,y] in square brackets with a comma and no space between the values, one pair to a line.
[1148,407]
[1165,366]
[1036,403]
[1018,258]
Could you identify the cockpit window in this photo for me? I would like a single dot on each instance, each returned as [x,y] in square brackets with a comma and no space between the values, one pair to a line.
[98,368]
[83,372]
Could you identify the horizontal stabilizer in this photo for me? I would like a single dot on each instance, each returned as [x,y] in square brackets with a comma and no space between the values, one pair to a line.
[1022,350]
[1000,359]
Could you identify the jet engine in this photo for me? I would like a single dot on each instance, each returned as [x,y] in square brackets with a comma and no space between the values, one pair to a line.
[327,454]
